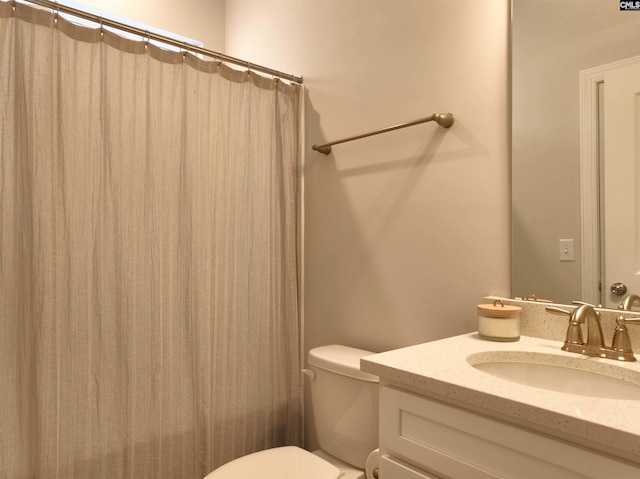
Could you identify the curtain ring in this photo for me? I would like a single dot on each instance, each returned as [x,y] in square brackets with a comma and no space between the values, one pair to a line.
[146,39]
[186,51]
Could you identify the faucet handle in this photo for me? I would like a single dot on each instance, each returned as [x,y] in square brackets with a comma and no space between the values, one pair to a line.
[621,341]
[623,320]
[555,310]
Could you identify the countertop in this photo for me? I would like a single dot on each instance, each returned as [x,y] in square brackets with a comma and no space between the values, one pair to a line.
[440,369]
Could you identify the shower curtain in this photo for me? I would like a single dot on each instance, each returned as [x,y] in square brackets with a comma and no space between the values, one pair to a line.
[148,290]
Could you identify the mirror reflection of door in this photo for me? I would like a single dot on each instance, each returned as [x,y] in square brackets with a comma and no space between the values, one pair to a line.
[621,170]
[610,181]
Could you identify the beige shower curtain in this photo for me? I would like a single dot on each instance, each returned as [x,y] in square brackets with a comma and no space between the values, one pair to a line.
[149,324]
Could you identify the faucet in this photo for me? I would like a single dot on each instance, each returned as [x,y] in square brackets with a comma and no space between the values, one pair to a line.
[629,302]
[587,313]
[594,345]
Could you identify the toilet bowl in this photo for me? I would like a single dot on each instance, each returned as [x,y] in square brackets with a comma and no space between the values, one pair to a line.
[345,410]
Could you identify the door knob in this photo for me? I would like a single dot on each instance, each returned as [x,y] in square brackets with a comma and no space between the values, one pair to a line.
[619,289]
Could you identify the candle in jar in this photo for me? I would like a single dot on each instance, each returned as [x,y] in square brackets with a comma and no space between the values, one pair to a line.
[499,322]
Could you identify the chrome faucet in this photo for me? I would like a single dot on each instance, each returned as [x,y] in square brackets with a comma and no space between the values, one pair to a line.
[629,302]
[594,345]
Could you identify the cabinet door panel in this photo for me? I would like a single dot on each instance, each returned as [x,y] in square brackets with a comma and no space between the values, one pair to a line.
[462,444]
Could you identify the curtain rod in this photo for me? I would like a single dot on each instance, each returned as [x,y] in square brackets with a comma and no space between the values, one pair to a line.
[56,7]
[445,120]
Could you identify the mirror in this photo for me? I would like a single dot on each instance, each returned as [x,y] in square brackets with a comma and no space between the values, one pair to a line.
[552,42]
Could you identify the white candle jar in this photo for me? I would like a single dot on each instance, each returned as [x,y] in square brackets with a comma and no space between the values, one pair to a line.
[499,322]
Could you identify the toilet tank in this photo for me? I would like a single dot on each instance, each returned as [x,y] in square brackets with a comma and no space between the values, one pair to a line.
[345,403]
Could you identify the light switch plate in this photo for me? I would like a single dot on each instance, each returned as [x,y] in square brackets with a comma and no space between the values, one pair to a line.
[566,250]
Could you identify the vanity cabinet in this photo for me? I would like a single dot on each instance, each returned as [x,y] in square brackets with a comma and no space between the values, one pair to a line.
[422,438]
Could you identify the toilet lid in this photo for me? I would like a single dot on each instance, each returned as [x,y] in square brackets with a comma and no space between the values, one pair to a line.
[287,462]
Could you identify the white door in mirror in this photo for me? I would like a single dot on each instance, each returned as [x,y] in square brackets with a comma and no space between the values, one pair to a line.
[622,181]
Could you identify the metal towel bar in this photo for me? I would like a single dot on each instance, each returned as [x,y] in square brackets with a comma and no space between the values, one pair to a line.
[445,120]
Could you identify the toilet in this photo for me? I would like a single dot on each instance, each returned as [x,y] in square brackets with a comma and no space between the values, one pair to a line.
[345,412]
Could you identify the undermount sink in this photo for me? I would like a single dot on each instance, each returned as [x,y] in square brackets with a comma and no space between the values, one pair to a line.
[560,373]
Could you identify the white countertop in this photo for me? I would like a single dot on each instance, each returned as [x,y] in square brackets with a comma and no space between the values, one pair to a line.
[440,369]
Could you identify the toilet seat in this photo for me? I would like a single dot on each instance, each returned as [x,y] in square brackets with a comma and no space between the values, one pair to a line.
[287,462]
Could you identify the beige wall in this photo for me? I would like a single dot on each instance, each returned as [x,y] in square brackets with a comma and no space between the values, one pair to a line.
[407,231]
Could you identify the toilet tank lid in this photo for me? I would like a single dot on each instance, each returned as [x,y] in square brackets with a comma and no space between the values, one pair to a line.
[340,359]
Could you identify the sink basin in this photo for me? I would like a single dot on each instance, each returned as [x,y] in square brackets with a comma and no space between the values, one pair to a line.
[558,373]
